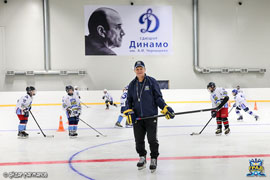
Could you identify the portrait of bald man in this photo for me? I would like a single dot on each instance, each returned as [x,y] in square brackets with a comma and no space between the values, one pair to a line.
[105,32]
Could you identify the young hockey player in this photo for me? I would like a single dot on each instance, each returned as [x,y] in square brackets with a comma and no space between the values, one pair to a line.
[76,91]
[240,91]
[22,110]
[217,95]
[108,99]
[240,103]
[71,104]
[123,101]
[144,98]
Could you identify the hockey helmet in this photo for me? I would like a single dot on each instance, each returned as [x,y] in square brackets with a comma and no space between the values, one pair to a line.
[235,91]
[211,84]
[69,87]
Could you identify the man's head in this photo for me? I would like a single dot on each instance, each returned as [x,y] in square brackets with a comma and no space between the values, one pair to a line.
[105,91]
[238,87]
[69,90]
[31,91]
[76,88]
[106,24]
[234,92]
[139,69]
[211,87]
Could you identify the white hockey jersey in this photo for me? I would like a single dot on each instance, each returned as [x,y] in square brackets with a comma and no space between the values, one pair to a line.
[24,102]
[123,99]
[77,93]
[242,93]
[240,100]
[216,97]
[107,97]
[73,103]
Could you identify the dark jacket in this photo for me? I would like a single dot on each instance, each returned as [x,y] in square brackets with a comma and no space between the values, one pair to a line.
[94,46]
[151,97]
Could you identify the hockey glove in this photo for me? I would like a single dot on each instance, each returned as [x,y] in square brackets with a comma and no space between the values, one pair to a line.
[214,114]
[69,111]
[234,105]
[26,113]
[103,97]
[168,112]
[130,116]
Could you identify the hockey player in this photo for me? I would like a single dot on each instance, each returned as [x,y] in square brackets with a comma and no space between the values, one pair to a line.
[123,101]
[240,91]
[144,98]
[76,91]
[217,95]
[240,103]
[71,104]
[22,110]
[108,99]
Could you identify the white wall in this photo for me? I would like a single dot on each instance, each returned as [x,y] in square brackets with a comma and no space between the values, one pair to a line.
[230,35]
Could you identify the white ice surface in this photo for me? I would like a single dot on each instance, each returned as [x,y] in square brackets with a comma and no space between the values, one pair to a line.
[247,138]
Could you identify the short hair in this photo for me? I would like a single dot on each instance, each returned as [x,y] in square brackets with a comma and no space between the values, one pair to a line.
[97,18]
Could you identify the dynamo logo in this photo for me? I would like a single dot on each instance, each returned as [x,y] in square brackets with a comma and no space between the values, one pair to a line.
[150,20]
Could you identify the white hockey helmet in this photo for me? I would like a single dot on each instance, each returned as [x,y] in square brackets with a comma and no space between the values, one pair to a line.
[76,87]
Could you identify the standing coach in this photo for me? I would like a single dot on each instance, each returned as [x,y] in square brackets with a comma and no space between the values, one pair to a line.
[144,98]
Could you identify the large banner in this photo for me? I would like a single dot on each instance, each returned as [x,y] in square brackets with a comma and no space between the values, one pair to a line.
[128,30]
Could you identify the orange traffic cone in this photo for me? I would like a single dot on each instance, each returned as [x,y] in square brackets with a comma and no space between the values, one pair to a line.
[229,103]
[255,106]
[61,126]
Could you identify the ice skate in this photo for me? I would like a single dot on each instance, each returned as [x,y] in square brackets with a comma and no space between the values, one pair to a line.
[128,126]
[218,132]
[257,117]
[118,125]
[142,163]
[153,165]
[22,135]
[240,118]
[72,134]
[227,131]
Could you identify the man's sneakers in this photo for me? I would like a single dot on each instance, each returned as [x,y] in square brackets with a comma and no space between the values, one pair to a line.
[142,163]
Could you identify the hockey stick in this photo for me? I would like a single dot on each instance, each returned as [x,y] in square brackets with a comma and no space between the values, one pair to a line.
[51,136]
[202,128]
[93,128]
[225,100]
[231,109]
[85,104]
[207,124]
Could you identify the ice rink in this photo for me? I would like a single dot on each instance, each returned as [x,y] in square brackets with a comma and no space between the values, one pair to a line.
[114,157]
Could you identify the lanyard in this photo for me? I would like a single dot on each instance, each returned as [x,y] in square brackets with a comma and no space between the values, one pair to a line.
[137,88]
